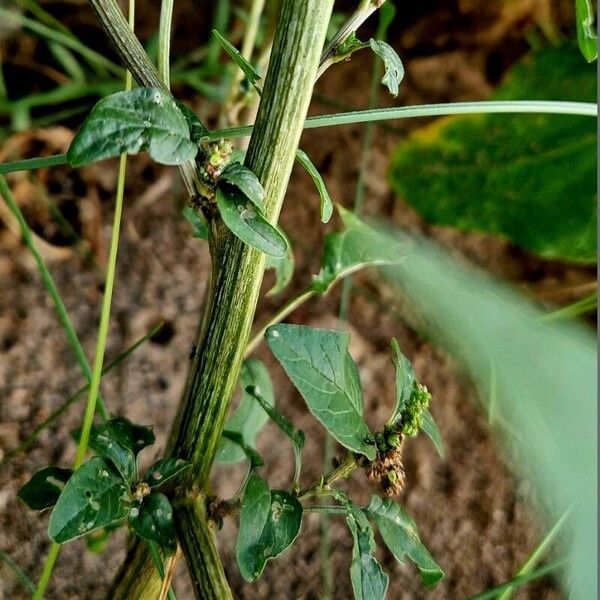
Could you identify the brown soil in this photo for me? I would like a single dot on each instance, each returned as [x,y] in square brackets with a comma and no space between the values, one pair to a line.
[471,512]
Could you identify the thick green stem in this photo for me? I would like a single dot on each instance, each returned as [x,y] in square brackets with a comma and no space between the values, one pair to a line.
[236,281]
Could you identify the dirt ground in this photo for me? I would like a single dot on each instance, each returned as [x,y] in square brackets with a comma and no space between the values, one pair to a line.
[472,514]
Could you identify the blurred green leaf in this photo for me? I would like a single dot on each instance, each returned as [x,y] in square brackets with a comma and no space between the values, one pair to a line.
[44,487]
[141,119]
[587,36]
[249,418]
[399,532]
[94,496]
[326,202]
[430,428]
[153,521]
[251,454]
[530,178]
[320,366]
[199,228]
[284,269]
[269,524]
[245,221]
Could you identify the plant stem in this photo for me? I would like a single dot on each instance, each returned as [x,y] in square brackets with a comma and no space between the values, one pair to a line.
[345,469]
[164,41]
[47,571]
[236,282]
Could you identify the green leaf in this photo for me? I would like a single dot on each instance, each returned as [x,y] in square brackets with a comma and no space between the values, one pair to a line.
[528,178]
[269,524]
[405,381]
[199,227]
[153,521]
[245,221]
[249,418]
[197,129]
[320,366]
[132,436]
[326,202]
[369,581]
[141,119]
[430,428]
[587,35]
[284,269]
[252,455]
[164,470]
[352,249]
[246,181]
[394,69]
[95,496]
[399,532]
[239,60]
[44,487]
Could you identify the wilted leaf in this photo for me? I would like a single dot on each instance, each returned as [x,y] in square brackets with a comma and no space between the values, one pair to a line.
[399,532]
[394,69]
[245,220]
[249,418]
[529,178]
[326,202]
[251,454]
[94,496]
[269,524]
[141,119]
[320,366]
[153,521]
[44,487]
[246,181]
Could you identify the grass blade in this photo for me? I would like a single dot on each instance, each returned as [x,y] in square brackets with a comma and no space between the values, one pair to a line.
[19,574]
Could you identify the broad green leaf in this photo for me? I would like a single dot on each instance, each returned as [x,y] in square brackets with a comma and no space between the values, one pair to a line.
[320,366]
[400,534]
[251,454]
[245,221]
[430,428]
[95,496]
[269,524]
[587,35]
[528,178]
[153,521]
[246,181]
[405,381]
[239,60]
[199,228]
[326,202]
[352,249]
[197,129]
[132,436]
[369,582]
[284,269]
[249,418]
[141,119]
[394,69]
[164,470]
[44,487]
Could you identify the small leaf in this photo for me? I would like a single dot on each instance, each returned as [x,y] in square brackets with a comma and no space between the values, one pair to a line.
[356,247]
[252,455]
[249,418]
[320,366]
[586,31]
[132,436]
[197,129]
[399,532]
[246,181]
[369,582]
[394,69]
[269,524]
[153,521]
[239,60]
[165,470]
[326,202]
[245,221]
[44,487]
[430,428]
[95,496]
[405,380]
[141,119]
[284,269]
[199,228]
